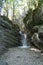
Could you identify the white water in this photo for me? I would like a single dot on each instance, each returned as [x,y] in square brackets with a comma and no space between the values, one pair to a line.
[24,40]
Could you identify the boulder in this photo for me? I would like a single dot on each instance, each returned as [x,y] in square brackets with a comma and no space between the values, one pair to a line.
[37,38]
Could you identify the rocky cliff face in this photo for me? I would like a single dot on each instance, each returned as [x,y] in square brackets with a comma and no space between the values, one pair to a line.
[9,33]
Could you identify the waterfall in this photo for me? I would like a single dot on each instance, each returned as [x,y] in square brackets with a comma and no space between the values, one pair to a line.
[23,40]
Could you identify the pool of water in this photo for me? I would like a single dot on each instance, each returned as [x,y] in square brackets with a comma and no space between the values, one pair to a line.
[24,47]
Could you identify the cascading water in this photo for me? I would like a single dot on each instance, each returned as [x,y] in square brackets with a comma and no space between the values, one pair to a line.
[23,40]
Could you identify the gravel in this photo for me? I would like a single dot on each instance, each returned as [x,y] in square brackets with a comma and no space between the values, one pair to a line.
[22,56]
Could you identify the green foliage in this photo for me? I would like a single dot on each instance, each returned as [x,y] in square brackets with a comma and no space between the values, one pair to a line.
[0,3]
[33,16]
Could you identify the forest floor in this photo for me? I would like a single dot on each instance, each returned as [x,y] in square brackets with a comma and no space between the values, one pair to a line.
[20,56]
